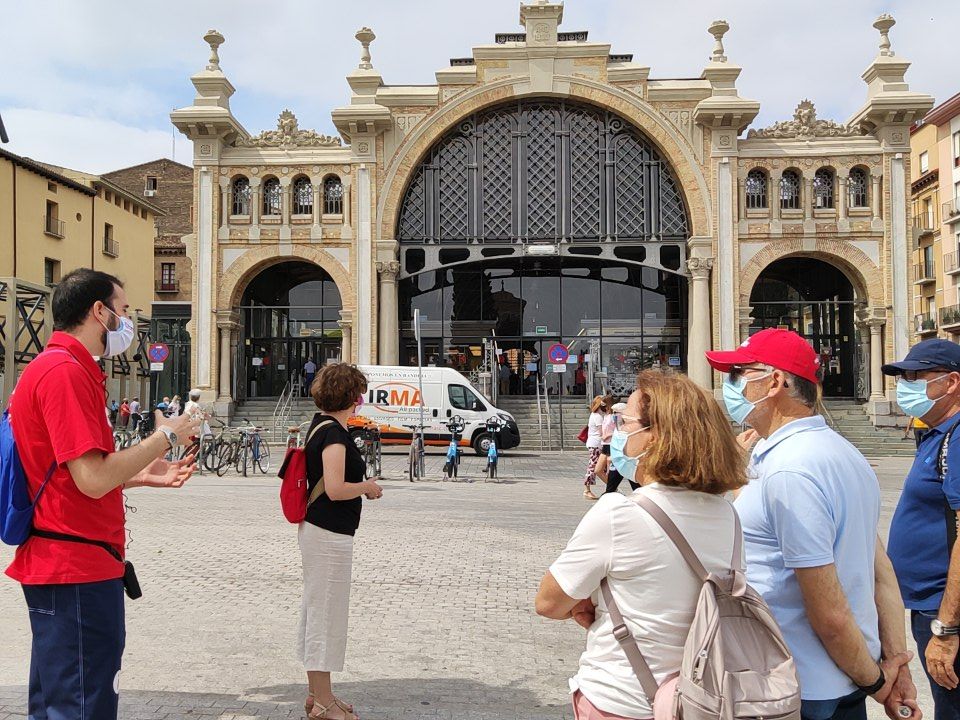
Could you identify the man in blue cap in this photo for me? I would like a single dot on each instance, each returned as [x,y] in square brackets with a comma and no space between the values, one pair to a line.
[924,526]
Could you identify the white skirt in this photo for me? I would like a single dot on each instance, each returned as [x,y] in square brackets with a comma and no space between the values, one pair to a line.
[325,610]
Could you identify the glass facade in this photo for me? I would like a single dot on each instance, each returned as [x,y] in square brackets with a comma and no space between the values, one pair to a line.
[289,313]
[618,318]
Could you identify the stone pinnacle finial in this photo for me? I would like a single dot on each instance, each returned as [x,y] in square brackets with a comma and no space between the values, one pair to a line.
[883,24]
[365,36]
[214,40]
[718,28]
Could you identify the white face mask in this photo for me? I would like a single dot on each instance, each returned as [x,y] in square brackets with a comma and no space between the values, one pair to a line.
[118,340]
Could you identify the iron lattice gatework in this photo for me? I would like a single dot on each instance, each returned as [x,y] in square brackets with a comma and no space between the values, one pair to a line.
[543,170]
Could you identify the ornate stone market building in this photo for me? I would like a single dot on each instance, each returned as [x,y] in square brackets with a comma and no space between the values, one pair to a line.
[546,191]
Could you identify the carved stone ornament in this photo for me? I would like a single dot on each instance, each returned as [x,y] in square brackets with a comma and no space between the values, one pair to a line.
[700,267]
[389,269]
[806,125]
[288,134]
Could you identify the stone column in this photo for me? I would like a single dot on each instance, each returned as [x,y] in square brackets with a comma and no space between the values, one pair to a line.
[806,189]
[228,323]
[745,320]
[346,343]
[877,389]
[225,202]
[285,209]
[698,322]
[844,200]
[875,195]
[774,197]
[316,229]
[389,324]
[255,208]
[346,232]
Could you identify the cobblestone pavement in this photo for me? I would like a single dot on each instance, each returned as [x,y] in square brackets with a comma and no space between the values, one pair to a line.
[441,624]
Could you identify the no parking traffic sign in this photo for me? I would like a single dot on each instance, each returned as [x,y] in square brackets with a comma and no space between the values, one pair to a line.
[158,352]
[558,353]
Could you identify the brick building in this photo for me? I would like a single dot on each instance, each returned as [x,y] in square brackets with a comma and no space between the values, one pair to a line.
[169,185]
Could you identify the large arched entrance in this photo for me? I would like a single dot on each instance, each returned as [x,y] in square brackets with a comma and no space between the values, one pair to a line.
[537,222]
[289,313]
[815,299]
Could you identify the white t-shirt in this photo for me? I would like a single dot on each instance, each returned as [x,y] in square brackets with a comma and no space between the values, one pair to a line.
[192,409]
[594,425]
[654,587]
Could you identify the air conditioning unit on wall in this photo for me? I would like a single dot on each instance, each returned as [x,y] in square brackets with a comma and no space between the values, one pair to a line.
[149,193]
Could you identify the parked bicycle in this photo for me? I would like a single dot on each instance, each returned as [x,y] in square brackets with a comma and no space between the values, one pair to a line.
[368,441]
[246,451]
[132,435]
[451,467]
[494,425]
[206,448]
[416,467]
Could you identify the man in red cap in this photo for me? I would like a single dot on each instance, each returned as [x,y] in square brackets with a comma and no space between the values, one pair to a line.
[810,516]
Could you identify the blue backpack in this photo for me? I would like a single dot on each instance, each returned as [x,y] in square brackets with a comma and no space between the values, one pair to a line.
[16,507]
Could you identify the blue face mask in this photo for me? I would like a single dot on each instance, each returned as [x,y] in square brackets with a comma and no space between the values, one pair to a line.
[738,406]
[912,396]
[625,465]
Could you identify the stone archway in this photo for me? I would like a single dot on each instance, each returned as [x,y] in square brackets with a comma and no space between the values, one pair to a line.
[234,280]
[862,272]
[675,149]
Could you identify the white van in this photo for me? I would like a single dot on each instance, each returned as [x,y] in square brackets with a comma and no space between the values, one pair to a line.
[393,402]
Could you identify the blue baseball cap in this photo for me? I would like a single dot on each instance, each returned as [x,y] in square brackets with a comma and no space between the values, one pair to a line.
[928,355]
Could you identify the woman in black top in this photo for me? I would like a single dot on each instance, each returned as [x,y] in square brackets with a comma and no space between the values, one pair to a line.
[326,535]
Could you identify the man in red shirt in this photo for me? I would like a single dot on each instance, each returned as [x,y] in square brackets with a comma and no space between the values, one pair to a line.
[74,590]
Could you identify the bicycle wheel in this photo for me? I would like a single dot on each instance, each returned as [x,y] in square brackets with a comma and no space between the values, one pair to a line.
[421,460]
[263,456]
[225,457]
[244,459]
[208,454]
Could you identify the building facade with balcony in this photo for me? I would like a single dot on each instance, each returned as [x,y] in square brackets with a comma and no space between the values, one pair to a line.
[168,185]
[546,191]
[54,220]
[935,143]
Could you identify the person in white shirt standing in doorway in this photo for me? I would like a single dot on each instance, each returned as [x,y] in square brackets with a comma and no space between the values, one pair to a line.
[810,516]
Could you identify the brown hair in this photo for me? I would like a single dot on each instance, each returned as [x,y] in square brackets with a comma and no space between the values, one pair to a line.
[336,387]
[694,446]
[597,404]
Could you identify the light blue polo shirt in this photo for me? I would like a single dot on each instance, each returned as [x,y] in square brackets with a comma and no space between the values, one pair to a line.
[812,500]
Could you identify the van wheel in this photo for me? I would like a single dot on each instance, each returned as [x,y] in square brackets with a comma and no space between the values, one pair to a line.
[481,444]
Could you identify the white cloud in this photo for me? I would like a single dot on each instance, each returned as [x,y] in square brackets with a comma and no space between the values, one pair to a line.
[88,144]
[104,63]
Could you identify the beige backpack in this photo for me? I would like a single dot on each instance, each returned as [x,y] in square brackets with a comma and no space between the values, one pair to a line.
[735,663]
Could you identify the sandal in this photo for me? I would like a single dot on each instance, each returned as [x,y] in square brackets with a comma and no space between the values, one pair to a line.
[310,702]
[320,713]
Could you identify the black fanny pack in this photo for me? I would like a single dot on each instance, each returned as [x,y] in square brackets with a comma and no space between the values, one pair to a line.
[131,586]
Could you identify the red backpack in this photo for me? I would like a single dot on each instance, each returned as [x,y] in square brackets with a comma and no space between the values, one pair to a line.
[294,498]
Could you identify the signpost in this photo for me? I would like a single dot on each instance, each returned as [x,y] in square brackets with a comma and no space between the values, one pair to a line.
[558,354]
[158,352]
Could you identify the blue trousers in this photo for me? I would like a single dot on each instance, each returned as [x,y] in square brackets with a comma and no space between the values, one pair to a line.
[78,638]
[946,703]
[851,707]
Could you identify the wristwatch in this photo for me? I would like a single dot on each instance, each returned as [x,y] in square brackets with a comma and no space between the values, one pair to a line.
[877,686]
[171,436]
[939,629]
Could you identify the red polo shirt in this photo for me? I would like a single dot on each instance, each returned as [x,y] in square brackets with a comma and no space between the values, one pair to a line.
[57,415]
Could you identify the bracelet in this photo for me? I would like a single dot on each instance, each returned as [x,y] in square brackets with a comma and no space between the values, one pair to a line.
[877,686]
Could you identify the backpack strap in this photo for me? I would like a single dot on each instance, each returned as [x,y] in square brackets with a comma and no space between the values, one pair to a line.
[676,537]
[53,466]
[630,648]
[949,515]
[318,488]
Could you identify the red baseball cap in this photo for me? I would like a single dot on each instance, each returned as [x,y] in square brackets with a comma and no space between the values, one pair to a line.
[782,349]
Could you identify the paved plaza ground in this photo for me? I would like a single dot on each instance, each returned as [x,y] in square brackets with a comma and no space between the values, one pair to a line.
[441,623]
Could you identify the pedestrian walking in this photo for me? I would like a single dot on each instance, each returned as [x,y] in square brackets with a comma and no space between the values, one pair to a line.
[923,531]
[667,423]
[174,407]
[72,567]
[605,468]
[124,414]
[594,444]
[309,373]
[196,411]
[503,374]
[135,416]
[326,535]
[810,516]
[114,410]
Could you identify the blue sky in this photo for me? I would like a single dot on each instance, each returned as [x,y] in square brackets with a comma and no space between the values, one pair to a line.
[90,84]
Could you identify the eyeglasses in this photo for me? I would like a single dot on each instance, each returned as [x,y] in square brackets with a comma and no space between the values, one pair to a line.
[912,375]
[621,421]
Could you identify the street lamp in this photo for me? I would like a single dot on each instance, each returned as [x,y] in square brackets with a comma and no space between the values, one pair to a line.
[3,132]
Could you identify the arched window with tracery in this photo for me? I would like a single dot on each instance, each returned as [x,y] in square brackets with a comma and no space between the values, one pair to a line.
[272,202]
[240,192]
[790,190]
[756,189]
[332,196]
[823,181]
[857,185]
[302,196]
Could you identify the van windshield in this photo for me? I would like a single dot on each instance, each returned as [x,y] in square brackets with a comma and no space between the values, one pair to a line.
[463,398]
